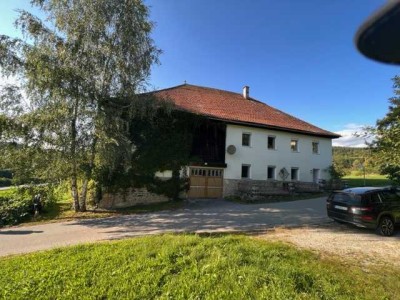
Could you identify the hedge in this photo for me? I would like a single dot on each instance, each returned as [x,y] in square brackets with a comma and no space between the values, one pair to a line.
[16,205]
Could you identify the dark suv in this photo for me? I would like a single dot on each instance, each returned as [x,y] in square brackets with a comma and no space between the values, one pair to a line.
[369,207]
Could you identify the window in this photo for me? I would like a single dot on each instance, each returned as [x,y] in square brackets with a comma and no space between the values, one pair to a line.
[246,137]
[245,171]
[371,198]
[315,147]
[389,196]
[345,198]
[294,174]
[271,142]
[271,172]
[294,145]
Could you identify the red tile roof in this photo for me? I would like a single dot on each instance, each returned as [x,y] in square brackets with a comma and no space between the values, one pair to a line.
[234,108]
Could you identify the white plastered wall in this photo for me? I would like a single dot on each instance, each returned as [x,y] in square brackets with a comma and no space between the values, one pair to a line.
[259,157]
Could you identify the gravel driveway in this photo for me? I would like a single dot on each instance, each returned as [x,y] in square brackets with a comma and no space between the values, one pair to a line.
[343,241]
[303,223]
[196,216]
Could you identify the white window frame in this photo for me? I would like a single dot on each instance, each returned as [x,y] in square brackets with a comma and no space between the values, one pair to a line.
[312,147]
[273,174]
[297,145]
[274,146]
[248,133]
[297,174]
[248,171]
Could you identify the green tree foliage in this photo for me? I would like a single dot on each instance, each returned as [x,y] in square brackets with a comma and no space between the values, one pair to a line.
[79,72]
[334,172]
[349,160]
[161,142]
[387,143]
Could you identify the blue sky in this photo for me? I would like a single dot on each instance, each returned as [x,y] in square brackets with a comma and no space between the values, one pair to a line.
[297,56]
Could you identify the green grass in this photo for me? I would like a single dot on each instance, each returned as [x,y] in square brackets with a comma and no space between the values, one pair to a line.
[370,180]
[7,192]
[189,267]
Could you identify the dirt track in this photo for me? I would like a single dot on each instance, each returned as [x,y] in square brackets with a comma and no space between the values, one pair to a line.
[343,241]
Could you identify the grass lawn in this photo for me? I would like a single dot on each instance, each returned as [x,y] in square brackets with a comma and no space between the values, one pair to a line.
[5,193]
[370,180]
[189,267]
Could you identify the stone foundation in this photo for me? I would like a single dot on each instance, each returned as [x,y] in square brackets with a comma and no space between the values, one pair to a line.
[230,187]
[130,197]
[261,188]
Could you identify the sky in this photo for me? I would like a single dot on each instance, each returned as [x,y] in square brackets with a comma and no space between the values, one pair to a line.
[297,56]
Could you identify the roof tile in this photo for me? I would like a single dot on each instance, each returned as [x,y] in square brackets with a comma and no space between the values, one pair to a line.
[233,107]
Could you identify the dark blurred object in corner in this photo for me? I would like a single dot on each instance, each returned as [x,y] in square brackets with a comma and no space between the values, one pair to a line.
[379,37]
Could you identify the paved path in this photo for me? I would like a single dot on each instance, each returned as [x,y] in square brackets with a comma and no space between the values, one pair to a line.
[196,216]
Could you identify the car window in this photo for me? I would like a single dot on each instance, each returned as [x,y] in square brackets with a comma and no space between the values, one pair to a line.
[345,198]
[388,196]
[371,198]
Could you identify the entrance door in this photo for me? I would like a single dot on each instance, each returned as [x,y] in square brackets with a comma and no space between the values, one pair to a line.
[205,182]
[315,175]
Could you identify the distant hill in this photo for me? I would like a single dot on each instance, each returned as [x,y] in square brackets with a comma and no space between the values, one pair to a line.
[351,160]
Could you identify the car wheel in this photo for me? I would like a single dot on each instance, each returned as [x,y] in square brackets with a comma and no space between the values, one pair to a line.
[386,226]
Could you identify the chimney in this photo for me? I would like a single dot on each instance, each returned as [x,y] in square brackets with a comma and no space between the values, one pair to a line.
[246,92]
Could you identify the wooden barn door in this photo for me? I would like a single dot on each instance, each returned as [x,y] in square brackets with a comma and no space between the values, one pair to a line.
[205,182]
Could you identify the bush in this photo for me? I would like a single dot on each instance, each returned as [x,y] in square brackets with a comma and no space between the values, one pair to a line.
[47,192]
[335,172]
[16,205]
[171,188]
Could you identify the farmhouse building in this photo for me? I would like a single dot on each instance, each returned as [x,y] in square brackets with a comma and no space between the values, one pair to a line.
[245,142]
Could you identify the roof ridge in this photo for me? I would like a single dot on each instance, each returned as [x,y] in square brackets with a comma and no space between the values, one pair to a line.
[211,88]
[203,87]
[166,89]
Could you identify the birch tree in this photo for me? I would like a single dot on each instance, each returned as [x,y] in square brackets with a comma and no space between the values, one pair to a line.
[79,71]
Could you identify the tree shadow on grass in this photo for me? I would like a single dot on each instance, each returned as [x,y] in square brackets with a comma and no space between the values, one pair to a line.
[63,211]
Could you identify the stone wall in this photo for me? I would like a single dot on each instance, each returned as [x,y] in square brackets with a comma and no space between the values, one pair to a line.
[130,197]
[230,187]
[256,188]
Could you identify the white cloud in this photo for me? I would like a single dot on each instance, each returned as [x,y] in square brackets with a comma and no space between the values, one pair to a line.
[352,136]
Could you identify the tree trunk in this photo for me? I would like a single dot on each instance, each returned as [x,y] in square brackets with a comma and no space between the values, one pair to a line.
[74,192]
[83,195]
[74,175]
[88,176]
